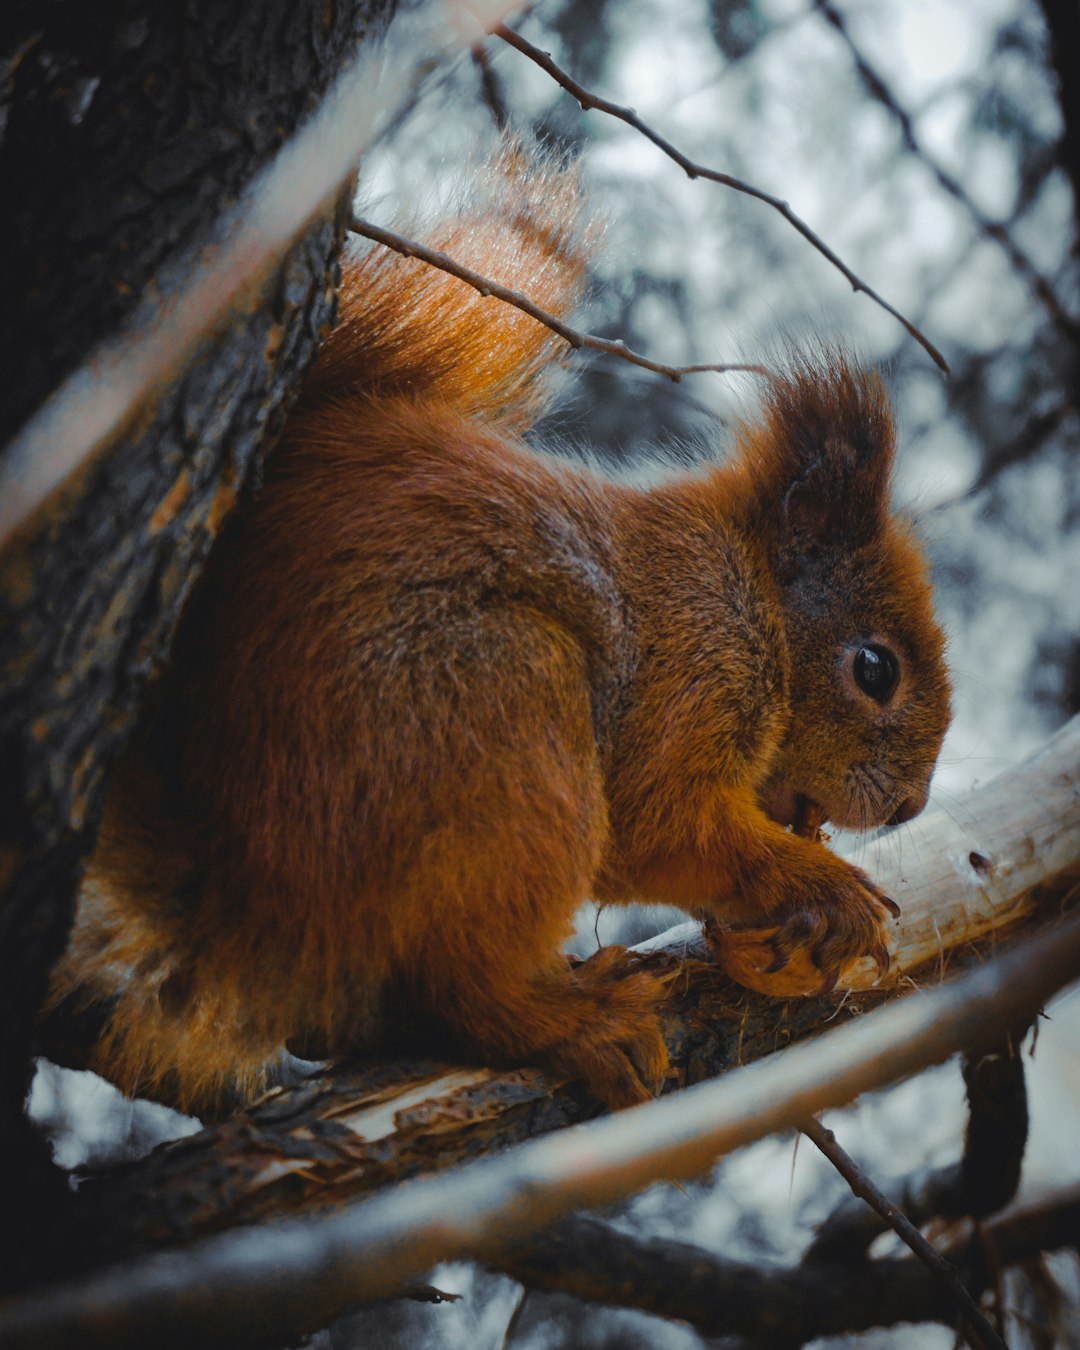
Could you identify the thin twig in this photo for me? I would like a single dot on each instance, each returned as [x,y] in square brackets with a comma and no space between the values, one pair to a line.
[981,1182]
[979,1333]
[589,100]
[490,86]
[410,248]
[989,229]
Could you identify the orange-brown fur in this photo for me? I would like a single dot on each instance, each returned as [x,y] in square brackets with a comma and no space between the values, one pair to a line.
[438,687]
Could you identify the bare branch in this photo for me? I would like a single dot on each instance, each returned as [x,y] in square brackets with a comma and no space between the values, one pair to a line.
[978,1331]
[490,86]
[265,1285]
[1042,1225]
[989,229]
[769,1305]
[693,170]
[410,248]
[780,1305]
[982,1182]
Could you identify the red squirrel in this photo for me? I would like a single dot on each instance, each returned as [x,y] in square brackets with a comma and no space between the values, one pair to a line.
[438,687]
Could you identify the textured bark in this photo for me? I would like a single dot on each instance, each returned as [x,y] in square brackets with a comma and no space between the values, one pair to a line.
[259,1285]
[126,127]
[357,1129]
[782,1306]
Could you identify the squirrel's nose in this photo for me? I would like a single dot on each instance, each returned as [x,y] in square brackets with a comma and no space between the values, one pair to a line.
[908,809]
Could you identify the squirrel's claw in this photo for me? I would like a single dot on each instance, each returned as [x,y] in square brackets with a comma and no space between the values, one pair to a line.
[881,956]
[890,905]
[778,962]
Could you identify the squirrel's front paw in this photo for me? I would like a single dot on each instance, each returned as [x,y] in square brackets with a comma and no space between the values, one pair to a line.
[832,917]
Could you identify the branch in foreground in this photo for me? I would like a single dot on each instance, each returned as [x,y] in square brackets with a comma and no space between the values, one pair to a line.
[782,1305]
[259,1287]
[979,1333]
[361,1127]
[692,170]
[410,248]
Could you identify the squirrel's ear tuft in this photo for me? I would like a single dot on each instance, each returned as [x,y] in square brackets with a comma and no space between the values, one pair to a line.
[825,450]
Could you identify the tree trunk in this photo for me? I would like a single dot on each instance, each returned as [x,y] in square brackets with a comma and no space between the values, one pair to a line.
[125,129]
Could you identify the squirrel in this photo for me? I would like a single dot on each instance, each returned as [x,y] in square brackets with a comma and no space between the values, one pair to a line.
[438,686]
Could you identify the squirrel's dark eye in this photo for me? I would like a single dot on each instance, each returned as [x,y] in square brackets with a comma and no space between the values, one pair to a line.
[876,671]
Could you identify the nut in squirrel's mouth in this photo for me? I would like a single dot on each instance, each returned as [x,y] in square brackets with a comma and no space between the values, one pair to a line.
[802,813]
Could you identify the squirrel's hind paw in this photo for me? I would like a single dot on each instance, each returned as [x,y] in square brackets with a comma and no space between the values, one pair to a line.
[618,1048]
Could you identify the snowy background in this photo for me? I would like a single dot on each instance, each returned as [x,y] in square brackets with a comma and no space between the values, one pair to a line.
[899,133]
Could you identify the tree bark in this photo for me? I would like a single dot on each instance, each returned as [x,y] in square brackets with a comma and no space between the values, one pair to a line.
[359,1128]
[782,1306]
[125,129]
[257,1286]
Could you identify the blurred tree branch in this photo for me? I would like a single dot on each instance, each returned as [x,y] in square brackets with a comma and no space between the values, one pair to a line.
[342,1134]
[1063,24]
[782,1306]
[994,230]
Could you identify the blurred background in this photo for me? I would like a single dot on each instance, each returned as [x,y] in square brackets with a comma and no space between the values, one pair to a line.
[933,145]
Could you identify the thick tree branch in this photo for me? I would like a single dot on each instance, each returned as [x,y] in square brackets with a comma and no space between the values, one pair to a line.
[360,1128]
[258,1286]
[125,129]
[781,1306]
[95,401]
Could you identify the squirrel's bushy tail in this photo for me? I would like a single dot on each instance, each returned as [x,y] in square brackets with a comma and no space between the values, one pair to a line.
[411,329]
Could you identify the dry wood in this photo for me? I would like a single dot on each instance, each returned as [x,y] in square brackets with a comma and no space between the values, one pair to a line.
[962,875]
[262,1285]
[978,1332]
[361,1127]
[782,1305]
